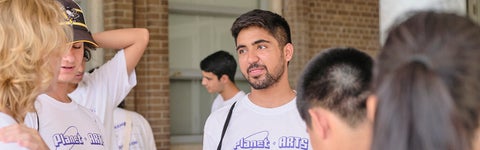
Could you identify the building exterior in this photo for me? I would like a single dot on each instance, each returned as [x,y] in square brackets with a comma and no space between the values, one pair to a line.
[182,32]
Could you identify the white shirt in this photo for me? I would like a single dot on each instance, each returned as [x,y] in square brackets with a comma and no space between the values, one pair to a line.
[141,135]
[66,125]
[102,91]
[255,127]
[219,102]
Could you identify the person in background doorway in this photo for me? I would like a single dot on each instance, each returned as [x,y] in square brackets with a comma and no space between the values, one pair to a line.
[218,76]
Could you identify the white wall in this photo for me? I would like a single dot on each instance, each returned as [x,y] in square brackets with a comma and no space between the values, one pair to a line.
[392,10]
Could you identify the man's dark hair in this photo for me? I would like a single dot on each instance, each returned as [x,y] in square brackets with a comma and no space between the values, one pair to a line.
[275,24]
[220,63]
[337,80]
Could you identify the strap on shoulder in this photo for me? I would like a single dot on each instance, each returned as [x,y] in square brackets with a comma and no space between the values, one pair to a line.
[225,126]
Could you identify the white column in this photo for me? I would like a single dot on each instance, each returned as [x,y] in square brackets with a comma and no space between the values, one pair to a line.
[94,19]
[272,5]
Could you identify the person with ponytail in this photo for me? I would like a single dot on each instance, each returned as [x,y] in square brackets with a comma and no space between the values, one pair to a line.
[426,85]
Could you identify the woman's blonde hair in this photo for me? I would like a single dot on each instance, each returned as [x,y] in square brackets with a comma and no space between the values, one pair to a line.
[32,42]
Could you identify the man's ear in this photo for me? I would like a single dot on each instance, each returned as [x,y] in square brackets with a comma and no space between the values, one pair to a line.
[371,107]
[320,125]
[288,51]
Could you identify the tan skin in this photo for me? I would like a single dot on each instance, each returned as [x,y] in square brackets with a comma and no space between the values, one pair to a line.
[329,132]
[256,46]
[212,83]
[223,86]
[72,61]
[24,136]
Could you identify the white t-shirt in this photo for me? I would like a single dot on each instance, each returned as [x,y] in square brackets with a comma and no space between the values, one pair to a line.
[141,135]
[6,120]
[255,127]
[67,125]
[102,91]
[219,102]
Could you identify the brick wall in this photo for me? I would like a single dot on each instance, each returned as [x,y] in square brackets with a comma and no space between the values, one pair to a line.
[150,96]
[320,24]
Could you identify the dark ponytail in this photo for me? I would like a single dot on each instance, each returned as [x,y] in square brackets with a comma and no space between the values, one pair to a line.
[419,112]
[427,81]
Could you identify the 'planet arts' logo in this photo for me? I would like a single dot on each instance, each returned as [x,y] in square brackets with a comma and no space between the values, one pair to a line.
[72,137]
[260,140]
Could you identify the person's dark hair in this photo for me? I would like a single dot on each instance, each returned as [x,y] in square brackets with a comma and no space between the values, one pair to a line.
[220,63]
[275,24]
[74,16]
[427,83]
[87,54]
[92,70]
[337,80]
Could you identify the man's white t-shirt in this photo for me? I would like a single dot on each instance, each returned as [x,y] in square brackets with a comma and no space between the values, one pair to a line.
[102,91]
[6,120]
[255,127]
[219,102]
[141,135]
[66,125]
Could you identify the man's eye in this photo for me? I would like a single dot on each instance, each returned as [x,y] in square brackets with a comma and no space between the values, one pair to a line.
[241,51]
[261,47]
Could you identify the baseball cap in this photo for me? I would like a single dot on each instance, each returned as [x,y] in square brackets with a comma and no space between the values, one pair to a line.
[74,17]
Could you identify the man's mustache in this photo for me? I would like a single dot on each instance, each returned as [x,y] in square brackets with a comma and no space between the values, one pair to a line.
[255,65]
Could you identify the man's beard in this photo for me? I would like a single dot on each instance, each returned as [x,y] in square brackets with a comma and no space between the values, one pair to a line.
[270,79]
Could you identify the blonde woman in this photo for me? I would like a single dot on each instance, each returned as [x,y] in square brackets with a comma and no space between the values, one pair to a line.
[32,41]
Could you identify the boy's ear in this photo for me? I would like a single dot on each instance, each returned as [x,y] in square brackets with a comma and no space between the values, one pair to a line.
[320,125]
[224,78]
[371,107]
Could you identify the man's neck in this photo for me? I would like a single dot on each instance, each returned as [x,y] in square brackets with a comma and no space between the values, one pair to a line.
[59,92]
[71,87]
[273,96]
[358,138]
